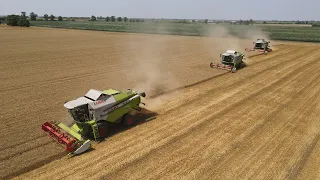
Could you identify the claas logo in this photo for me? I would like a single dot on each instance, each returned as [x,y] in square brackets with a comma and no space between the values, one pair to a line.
[99,102]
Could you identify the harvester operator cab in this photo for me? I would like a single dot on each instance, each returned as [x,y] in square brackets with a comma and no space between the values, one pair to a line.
[226,58]
[79,113]
[261,44]
[258,45]
[82,109]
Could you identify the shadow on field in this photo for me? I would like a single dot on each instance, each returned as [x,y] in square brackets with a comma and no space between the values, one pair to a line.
[140,117]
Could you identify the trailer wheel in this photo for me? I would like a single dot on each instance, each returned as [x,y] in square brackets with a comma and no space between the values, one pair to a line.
[128,120]
[103,128]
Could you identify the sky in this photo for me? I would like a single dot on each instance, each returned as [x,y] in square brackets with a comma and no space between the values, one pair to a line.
[172,9]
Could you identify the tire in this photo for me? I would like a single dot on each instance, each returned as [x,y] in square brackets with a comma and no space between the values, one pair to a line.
[238,66]
[128,120]
[89,133]
[102,128]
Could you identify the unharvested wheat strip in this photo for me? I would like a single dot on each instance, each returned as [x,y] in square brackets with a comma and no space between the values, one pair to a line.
[261,141]
[291,144]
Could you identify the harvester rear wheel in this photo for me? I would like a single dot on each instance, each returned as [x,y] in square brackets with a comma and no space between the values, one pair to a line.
[128,120]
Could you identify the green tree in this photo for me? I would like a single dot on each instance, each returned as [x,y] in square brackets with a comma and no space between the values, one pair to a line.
[33,16]
[93,18]
[251,21]
[119,19]
[264,22]
[60,18]
[46,17]
[12,20]
[125,19]
[206,21]
[23,14]
[113,18]
[16,20]
[52,17]
[23,22]
[107,18]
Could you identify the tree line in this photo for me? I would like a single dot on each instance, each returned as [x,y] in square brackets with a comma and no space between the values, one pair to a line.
[22,20]
[46,17]
[114,19]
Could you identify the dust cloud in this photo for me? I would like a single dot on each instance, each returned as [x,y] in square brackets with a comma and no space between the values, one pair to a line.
[152,73]
[256,33]
[221,39]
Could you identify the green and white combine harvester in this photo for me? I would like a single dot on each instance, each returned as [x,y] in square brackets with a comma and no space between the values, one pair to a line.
[231,60]
[92,114]
[260,45]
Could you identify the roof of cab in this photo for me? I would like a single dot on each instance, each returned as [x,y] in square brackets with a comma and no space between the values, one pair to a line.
[260,41]
[111,92]
[231,51]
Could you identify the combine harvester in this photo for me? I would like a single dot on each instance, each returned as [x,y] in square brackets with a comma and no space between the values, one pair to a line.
[91,114]
[231,60]
[261,45]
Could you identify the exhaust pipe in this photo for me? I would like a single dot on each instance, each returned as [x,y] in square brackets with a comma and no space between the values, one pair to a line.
[143,94]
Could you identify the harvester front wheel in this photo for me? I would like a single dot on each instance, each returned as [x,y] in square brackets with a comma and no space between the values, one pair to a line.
[103,128]
[128,120]
[238,66]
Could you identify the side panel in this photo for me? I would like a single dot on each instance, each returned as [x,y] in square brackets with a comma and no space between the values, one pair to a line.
[118,113]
